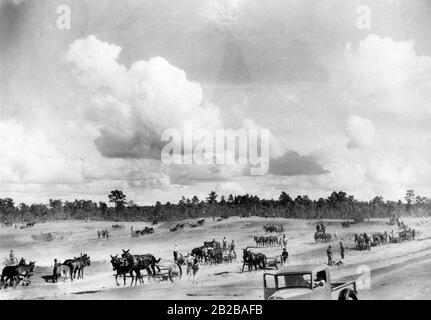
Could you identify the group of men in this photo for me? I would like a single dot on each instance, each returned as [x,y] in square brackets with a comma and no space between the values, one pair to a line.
[192,263]
[329,254]
[103,234]
[225,246]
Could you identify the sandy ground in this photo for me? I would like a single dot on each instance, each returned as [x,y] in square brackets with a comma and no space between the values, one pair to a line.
[398,271]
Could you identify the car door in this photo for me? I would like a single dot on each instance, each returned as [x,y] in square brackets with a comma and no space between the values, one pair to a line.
[269,285]
[321,286]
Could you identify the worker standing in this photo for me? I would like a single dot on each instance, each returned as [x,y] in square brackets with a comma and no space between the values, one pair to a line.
[329,254]
[284,256]
[55,271]
[342,250]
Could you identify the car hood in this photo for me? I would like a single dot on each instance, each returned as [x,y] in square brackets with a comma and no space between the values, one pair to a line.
[291,293]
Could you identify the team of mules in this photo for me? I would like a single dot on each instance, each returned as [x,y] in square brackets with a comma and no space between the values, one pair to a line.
[197,224]
[210,252]
[273,229]
[251,259]
[178,226]
[136,233]
[13,275]
[46,237]
[363,241]
[272,241]
[76,266]
[323,237]
[131,265]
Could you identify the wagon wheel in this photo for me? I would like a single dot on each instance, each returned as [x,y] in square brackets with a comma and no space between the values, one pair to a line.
[175,273]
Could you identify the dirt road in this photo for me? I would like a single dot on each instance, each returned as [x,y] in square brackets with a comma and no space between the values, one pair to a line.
[398,271]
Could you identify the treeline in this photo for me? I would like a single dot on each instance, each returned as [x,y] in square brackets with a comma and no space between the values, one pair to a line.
[338,205]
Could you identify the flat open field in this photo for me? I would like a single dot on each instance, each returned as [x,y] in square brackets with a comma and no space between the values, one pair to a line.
[399,271]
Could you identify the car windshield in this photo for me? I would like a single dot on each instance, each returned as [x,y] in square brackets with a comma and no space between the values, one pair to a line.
[296,280]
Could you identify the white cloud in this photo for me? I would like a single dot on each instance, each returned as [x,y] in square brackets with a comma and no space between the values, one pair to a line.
[132,106]
[388,75]
[26,156]
[360,132]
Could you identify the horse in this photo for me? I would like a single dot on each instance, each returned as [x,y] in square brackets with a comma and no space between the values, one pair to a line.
[76,265]
[198,253]
[212,244]
[17,273]
[122,267]
[253,260]
[146,261]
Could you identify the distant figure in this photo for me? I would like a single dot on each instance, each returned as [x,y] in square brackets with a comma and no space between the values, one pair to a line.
[284,241]
[106,234]
[55,271]
[284,256]
[189,262]
[175,252]
[342,250]
[12,258]
[322,227]
[224,244]
[195,269]
[232,246]
[329,254]
[98,234]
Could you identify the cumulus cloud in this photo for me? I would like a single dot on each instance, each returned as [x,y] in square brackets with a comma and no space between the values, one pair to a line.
[294,164]
[388,75]
[133,106]
[28,157]
[360,132]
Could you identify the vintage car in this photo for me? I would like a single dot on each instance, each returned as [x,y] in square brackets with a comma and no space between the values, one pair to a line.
[306,282]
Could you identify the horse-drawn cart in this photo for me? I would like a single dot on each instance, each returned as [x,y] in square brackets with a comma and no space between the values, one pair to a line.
[172,272]
[229,255]
[273,262]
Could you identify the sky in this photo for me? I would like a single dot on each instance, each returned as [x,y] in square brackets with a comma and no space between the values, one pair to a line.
[83,108]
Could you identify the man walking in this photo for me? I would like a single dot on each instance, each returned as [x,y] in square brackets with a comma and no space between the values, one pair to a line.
[284,256]
[329,254]
[175,252]
[232,246]
[342,250]
[55,271]
[195,269]
[189,262]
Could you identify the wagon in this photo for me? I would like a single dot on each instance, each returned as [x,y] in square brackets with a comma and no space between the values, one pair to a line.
[48,278]
[273,262]
[229,256]
[172,272]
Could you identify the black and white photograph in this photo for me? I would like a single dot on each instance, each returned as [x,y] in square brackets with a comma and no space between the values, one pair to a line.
[215,150]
